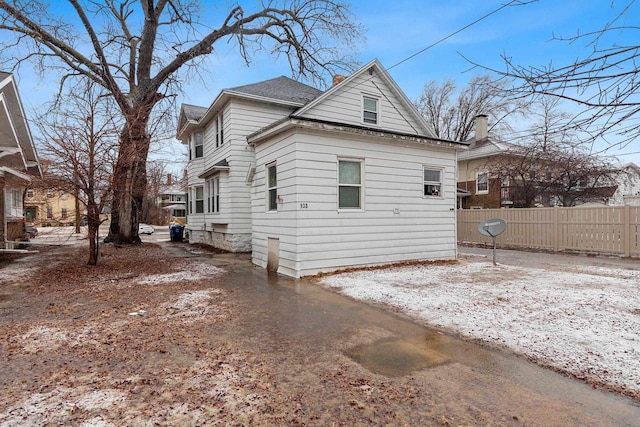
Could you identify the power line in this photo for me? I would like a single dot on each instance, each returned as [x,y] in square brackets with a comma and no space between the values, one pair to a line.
[454,33]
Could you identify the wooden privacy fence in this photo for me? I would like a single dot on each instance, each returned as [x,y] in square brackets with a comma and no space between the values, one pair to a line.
[607,229]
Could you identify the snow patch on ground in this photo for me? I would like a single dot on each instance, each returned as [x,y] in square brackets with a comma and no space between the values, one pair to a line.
[45,408]
[584,322]
[195,272]
[194,305]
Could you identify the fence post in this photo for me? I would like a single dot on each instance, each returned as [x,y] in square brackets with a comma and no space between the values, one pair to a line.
[556,229]
[626,231]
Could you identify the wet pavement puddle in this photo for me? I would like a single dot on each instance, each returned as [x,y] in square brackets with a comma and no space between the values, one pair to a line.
[394,357]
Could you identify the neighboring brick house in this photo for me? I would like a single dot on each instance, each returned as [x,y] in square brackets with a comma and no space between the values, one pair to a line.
[477,187]
[18,162]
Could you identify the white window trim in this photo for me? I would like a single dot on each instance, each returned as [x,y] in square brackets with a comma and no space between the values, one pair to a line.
[378,116]
[433,168]
[213,195]
[482,191]
[338,185]
[268,189]
[195,144]
[219,129]
[196,200]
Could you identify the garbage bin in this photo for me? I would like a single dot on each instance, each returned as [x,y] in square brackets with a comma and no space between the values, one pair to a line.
[176,232]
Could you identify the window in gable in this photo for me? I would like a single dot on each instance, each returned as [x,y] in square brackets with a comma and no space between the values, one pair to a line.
[349,184]
[432,181]
[369,110]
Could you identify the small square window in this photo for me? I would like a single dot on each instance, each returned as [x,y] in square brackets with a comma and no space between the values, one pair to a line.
[369,110]
[432,182]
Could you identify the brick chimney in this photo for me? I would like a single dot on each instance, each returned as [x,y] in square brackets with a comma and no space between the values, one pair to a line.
[169,179]
[338,78]
[481,127]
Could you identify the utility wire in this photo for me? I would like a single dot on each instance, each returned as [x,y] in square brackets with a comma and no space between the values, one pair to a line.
[454,33]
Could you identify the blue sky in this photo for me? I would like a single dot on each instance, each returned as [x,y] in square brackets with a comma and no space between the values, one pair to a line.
[395,30]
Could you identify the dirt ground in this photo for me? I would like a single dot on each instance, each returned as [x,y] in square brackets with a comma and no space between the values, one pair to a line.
[147,338]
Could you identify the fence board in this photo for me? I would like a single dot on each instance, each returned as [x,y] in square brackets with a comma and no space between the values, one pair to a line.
[607,229]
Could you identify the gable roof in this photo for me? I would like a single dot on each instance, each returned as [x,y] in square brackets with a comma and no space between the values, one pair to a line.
[424,129]
[14,127]
[280,90]
[484,147]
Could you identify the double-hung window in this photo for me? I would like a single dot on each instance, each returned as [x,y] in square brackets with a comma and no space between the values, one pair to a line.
[219,130]
[432,182]
[482,182]
[272,187]
[369,110]
[199,198]
[213,204]
[349,184]
[198,142]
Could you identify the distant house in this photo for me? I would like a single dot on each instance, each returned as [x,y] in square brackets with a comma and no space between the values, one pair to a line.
[46,203]
[628,190]
[172,201]
[18,161]
[349,177]
[478,187]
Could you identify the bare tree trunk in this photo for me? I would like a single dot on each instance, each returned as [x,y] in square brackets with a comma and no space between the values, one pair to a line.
[129,184]
[93,223]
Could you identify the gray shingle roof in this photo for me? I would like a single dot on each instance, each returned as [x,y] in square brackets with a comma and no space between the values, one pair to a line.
[193,112]
[281,88]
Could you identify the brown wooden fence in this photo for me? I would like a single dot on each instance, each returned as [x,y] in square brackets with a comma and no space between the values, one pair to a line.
[609,229]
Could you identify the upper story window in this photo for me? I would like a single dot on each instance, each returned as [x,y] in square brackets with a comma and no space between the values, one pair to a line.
[482,182]
[220,130]
[272,187]
[432,182]
[198,143]
[369,110]
[199,198]
[30,194]
[49,194]
[349,184]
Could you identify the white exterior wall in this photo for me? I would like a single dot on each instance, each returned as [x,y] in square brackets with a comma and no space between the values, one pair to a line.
[230,229]
[345,106]
[397,223]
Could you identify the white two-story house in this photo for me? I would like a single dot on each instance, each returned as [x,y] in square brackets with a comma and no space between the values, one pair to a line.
[311,181]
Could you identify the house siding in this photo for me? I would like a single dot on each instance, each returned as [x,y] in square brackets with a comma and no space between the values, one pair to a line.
[396,223]
[345,106]
[230,229]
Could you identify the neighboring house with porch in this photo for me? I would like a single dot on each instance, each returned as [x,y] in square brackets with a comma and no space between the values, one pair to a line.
[48,203]
[172,201]
[349,177]
[18,161]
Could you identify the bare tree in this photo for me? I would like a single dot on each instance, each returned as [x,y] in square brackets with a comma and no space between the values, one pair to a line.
[605,83]
[452,113]
[554,175]
[81,139]
[138,51]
